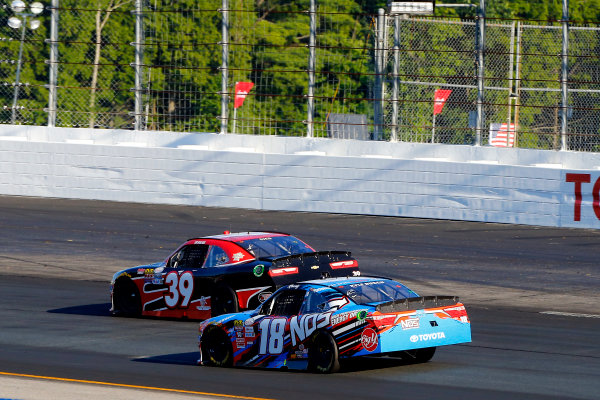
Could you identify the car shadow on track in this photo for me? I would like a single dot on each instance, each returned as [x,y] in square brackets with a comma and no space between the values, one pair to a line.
[97,310]
[177,358]
[353,365]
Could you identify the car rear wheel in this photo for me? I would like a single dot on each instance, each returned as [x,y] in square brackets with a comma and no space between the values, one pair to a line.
[126,299]
[223,301]
[216,348]
[323,354]
[417,355]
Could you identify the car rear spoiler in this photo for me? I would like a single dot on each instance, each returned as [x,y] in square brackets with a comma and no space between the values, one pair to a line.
[416,303]
[317,265]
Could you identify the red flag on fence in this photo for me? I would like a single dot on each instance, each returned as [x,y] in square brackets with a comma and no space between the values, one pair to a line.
[439,99]
[241,90]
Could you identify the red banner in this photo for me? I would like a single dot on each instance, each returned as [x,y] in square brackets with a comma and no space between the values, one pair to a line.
[241,90]
[439,99]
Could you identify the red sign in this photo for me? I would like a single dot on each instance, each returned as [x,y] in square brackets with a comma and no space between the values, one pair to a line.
[579,180]
[369,339]
[439,99]
[241,90]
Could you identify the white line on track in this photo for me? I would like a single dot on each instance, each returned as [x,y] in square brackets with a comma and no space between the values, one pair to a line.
[569,314]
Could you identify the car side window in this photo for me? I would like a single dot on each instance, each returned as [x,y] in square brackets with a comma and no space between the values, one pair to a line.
[191,256]
[286,303]
[216,256]
[315,303]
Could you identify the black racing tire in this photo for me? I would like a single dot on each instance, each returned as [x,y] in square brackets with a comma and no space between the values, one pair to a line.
[323,354]
[216,348]
[416,356]
[223,301]
[126,299]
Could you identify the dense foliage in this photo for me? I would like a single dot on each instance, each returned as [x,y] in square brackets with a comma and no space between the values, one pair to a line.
[268,46]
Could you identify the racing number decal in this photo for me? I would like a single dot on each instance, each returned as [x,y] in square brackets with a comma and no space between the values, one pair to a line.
[271,335]
[180,289]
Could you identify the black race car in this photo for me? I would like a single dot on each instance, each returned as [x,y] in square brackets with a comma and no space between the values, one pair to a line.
[220,274]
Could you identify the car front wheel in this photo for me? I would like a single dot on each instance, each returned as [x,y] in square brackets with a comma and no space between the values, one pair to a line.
[126,299]
[216,348]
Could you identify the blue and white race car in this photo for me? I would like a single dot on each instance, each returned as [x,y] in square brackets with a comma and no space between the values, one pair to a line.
[313,324]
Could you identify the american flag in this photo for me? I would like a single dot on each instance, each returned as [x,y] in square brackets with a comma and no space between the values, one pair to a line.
[498,134]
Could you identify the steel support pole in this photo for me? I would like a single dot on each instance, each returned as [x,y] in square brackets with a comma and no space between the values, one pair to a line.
[312,61]
[396,86]
[564,76]
[379,50]
[53,67]
[480,71]
[13,119]
[139,56]
[224,66]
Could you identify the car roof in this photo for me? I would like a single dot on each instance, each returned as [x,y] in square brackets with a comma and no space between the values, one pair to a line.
[334,282]
[241,236]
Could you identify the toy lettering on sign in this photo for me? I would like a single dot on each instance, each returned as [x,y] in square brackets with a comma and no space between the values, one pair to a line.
[579,180]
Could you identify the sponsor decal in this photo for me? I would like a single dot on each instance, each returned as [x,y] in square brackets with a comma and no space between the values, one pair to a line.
[124,274]
[264,296]
[238,256]
[343,317]
[303,326]
[258,270]
[355,273]
[240,343]
[272,330]
[338,303]
[427,336]
[369,339]
[249,332]
[314,267]
[355,285]
[238,323]
[199,242]
[361,315]
[410,323]
[140,271]
[204,303]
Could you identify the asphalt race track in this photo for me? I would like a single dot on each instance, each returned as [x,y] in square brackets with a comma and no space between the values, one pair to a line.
[532,296]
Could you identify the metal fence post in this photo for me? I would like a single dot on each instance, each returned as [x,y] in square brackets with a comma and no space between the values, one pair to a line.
[396,87]
[312,41]
[480,71]
[138,63]
[53,68]
[564,75]
[224,66]
[379,49]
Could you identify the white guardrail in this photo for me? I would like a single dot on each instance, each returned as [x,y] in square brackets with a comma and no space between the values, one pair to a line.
[517,186]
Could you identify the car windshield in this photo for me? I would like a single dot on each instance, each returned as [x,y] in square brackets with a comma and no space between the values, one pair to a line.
[371,292]
[275,246]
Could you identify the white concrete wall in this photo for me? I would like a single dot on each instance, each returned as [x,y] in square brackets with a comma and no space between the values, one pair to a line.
[299,174]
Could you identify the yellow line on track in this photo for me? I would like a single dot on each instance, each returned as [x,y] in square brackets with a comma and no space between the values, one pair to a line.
[122,385]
